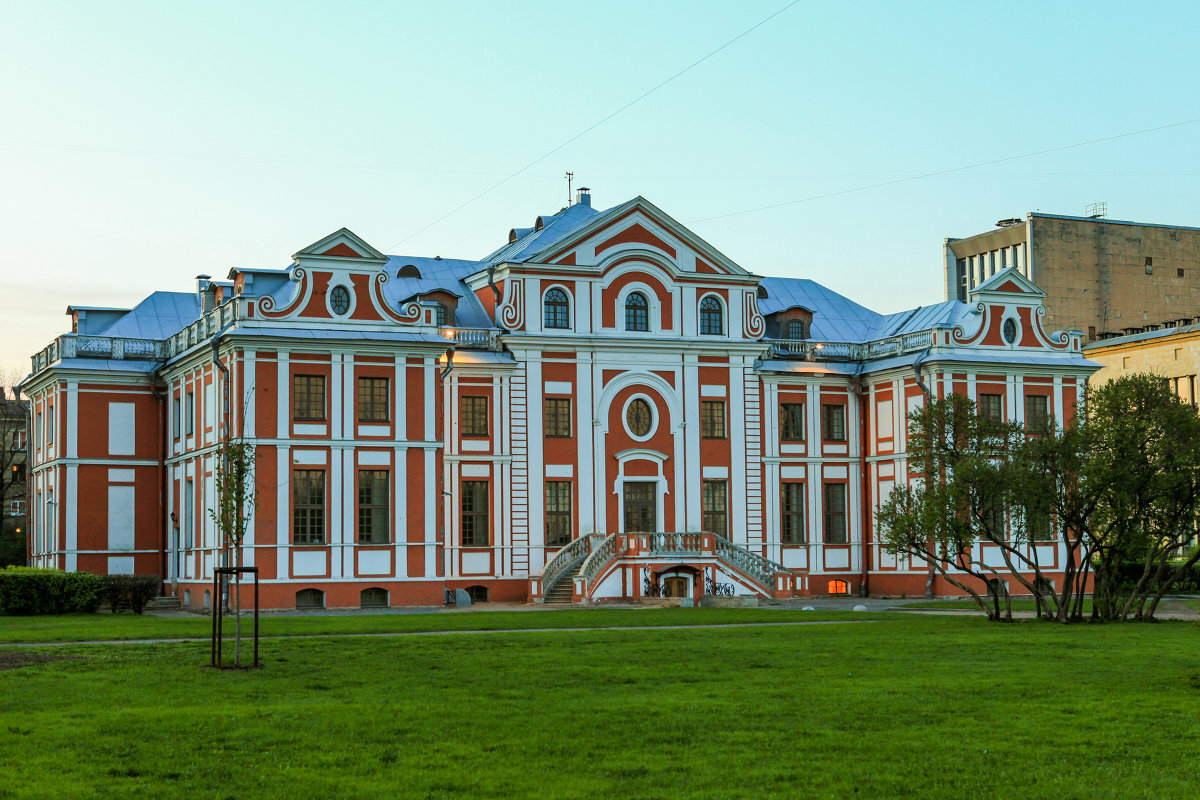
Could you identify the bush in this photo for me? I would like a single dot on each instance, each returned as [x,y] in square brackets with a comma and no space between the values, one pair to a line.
[136,590]
[29,590]
[1188,583]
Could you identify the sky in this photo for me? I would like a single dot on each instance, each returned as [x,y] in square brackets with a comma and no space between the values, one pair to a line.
[142,144]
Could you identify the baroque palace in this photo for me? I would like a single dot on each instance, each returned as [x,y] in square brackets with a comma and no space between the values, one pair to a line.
[605,407]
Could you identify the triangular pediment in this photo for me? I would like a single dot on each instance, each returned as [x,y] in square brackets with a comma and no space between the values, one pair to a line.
[640,222]
[1009,281]
[342,244]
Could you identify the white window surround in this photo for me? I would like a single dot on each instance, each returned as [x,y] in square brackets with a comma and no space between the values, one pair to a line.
[653,417]
[653,307]
[570,308]
[344,282]
[1011,313]
[660,480]
[724,314]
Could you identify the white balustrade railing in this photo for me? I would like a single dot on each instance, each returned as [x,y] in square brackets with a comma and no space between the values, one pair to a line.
[570,555]
[757,567]
[486,338]
[879,348]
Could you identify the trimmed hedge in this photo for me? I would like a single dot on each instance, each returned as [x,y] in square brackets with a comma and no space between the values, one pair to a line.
[30,590]
[136,590]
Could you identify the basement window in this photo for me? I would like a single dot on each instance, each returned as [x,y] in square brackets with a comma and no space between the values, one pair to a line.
[839,587]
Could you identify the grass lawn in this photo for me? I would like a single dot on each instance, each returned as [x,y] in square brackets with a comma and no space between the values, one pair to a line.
[1018,604]
[906,707]
[104,626]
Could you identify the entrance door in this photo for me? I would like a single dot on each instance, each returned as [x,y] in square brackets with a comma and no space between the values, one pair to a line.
[640,507]
[675,586]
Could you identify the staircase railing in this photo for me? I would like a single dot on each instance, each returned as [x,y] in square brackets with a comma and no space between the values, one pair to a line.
[676,543]
[570,555]
[750,563]
[601,555]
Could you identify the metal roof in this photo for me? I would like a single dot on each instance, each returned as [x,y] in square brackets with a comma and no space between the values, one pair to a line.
[554,227]
[1141,337]
[445,274]
[835,318]
[160,315]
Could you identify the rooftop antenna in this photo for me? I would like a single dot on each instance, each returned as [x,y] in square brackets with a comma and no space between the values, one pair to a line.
[570,176]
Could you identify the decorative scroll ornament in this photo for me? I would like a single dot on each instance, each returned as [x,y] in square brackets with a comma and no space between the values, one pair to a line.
[959,334]
[266,306]
[754,326]
[512,310]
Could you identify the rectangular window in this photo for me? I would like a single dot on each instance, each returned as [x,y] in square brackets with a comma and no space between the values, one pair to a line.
[37,429]
[1037,526]
[714,507]
[475,513]
[791,422]
[991,406]
[557,416]
[372,399]
[308,397]
[993,521]
[835,513]
[373,490]
[558,513]
[189,424]
[473,416]
[833,422]
[308,506]
[18,440]
[175,416]
[1037,413]
[712,419]
[791,519]
[49,424]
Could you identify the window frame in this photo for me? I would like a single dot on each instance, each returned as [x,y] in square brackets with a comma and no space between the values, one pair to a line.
[641,314]
[368,387]
[189,423]
[555,310]
[375,503]
[792,524]
[713,426]
[312,531]
[831,422]
[480,423]
[705,315]
[562,428]
[478,517]
[557,517]
[176,416]
[1041,420]
[787,419]
[792,325]
[985,412]
[302,401]
[710,498]
[835,519]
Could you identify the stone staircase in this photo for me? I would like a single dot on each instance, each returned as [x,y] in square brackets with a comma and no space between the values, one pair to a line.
[563,590]
[164,603]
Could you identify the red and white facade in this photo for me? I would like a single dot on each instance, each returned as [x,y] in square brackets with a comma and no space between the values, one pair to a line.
[605,407]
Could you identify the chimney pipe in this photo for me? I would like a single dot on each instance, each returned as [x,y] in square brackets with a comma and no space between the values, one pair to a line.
[583,197]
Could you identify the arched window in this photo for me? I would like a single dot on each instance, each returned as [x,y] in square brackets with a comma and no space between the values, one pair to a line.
[374,597]
[479,594]
[310,598]
[557,309]
[408,271]
[838,587]
[795,330]
[711,317]
[637,312]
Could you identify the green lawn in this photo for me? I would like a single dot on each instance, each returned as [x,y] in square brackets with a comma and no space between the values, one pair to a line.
[906,707]
[1019,604]
[104,626]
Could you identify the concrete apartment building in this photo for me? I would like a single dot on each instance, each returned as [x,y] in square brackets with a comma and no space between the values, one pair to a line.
[1103,277]
[1172,353]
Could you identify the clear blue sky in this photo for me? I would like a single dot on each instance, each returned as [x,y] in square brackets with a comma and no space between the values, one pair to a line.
[144,143]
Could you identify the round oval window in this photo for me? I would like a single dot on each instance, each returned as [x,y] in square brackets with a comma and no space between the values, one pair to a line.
[1010,330]
[339,300]
[638,417]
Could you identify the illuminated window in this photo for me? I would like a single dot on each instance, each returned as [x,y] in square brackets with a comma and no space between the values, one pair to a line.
[557,309]
[839,587]
[637,312]
[473,416]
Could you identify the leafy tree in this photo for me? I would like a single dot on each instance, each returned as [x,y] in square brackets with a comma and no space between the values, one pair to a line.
[14,424]
[237,500]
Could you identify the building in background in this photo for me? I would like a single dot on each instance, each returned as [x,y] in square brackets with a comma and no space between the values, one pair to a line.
[606,407]
[1101,276]
[14,423]
[1172,353]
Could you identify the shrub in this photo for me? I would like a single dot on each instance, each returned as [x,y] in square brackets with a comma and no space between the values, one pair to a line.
[136,590]
[30,590]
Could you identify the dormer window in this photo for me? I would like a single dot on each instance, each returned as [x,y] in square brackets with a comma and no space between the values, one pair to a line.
[339,300]
[637,312]
[795,330]
[439,314]
[408,271]
[557,309]
[712,321]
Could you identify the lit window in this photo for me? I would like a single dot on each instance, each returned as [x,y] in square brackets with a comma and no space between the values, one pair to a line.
[637,312]
[839,587]
[711,317]
[557,309]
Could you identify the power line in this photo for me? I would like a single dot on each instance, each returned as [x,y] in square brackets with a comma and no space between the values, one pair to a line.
[945,171]
[598,123]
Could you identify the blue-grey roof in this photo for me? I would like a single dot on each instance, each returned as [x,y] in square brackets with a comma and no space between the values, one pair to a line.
[1143,336]
[921,318]
[160,315]
[554,227]
[835,318]
[446,274]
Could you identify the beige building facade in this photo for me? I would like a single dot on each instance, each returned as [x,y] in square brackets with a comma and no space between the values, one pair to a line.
[1170,353]
[1105,278]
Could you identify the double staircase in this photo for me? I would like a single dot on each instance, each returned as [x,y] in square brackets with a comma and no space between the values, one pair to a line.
[563,590]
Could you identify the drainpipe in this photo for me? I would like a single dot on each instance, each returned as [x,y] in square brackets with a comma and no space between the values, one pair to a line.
[928,394]
[864,480]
